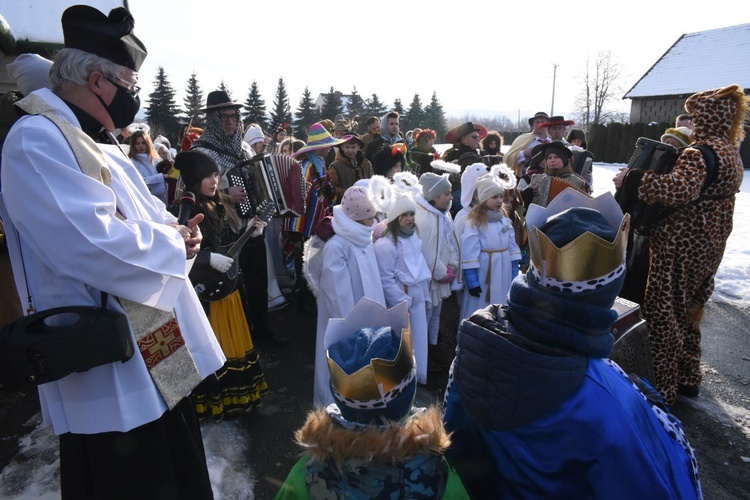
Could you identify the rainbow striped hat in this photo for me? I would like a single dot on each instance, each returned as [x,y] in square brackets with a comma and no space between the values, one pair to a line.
[318,138]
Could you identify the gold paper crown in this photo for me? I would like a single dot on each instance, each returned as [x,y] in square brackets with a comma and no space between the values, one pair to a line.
[586,258]
[375,380]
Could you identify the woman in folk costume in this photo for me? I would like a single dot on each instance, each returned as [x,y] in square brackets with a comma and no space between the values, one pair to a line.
[440,246]
[349,271]
[238,385]
[403,270]
[372,442]
[558,174]
[489,251]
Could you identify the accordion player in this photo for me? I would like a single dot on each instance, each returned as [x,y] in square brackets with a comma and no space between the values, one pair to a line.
[274,185]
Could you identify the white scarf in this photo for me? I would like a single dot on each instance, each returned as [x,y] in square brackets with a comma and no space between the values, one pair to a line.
[352,231]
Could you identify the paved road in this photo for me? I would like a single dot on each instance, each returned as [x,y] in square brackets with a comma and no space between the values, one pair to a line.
[717,422]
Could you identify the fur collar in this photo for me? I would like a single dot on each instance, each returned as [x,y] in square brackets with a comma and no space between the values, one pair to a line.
[324,439]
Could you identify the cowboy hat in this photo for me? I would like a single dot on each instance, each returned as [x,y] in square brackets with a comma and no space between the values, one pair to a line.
[557,120]
[318,138]
[219,99]
[455,134]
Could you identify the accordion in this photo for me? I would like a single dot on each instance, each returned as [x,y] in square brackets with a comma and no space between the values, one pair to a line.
[547,187]
[274,184]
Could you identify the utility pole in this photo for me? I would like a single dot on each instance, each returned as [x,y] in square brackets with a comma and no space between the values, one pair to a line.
[554,77]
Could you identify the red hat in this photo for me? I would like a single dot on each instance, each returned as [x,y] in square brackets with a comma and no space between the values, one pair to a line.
[455,134]
[557,120]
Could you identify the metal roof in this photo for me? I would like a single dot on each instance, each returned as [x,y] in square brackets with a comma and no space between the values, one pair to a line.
[699,61]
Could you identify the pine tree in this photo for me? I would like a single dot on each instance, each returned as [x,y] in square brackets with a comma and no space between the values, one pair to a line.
[332,105]
[281,112]
[194,101]
[415,116]
[162,113]
[435,116]
[373,106]
[223,86]
[306,114]
[356,109]
[398,107]
[255,108]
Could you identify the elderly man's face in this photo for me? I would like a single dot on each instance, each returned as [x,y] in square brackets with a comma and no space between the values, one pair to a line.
[471,140]
[229,118]
[540,131]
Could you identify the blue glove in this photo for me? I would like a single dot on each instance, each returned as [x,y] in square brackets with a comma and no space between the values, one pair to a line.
[472,279]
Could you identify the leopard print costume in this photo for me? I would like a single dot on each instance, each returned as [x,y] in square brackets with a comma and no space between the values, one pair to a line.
[687,247]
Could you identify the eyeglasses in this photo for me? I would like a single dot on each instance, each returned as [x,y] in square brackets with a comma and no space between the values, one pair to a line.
[225,117]
[131,87]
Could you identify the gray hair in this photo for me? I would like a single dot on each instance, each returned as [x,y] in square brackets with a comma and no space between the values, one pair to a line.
[72,68]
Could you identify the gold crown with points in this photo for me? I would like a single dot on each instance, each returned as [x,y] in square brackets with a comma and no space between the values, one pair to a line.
[588,257]
[376,381]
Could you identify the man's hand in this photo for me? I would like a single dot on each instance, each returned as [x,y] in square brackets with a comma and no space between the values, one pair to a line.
[192,235]
[620,177]
[237,194]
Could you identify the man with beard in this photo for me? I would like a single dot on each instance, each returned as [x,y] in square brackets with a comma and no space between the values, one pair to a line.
[82,227]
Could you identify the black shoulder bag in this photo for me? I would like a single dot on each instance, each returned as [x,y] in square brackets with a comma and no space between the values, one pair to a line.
[49,345]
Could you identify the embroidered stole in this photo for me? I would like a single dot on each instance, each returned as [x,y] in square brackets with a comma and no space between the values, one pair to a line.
[157,333]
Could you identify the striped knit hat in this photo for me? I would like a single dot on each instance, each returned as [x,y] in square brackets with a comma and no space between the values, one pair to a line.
[318,138]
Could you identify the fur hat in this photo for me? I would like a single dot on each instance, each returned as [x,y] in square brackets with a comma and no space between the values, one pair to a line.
[356,204]
[30,71]
[405,187]
[433,185]
[219,99]
[380,191]
[253,135]
[341,125]
[194,166]
[317,138]
[469,180]
[679,134]
[385,159]
[111,37]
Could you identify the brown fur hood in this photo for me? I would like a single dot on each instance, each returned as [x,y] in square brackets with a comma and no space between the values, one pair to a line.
[324,439]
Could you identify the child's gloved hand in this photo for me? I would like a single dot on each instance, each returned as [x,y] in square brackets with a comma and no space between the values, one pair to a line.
[450,275]
[476,291]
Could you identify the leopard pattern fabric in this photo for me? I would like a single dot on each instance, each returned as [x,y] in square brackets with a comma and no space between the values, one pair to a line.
[687,247]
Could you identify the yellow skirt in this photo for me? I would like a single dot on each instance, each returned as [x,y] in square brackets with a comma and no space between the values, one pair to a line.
[227,318]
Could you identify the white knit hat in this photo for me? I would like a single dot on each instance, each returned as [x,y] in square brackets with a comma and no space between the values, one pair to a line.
[495,182]
[469,180]
[253,135]
[434,185]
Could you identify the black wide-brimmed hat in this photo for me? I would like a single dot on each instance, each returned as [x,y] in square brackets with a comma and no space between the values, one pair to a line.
[539,114]
[219,99]
[111,37]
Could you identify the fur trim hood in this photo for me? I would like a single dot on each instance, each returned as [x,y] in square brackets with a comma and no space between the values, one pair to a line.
[324,439]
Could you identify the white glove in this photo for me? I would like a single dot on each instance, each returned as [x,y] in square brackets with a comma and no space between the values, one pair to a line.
[221,263]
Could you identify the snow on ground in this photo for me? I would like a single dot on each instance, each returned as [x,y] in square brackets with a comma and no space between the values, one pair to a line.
[34,472]
[733,276]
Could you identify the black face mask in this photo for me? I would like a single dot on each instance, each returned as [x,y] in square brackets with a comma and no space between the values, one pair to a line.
[123,107]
